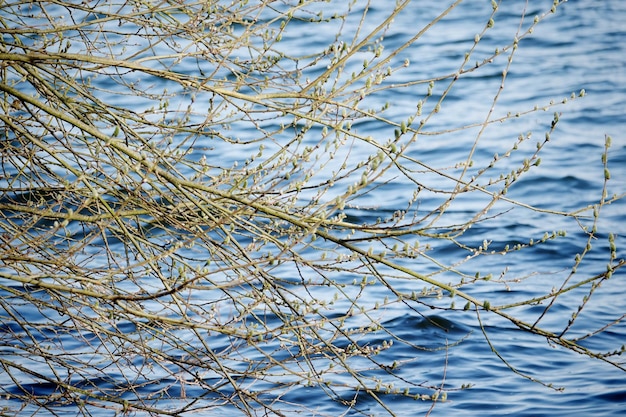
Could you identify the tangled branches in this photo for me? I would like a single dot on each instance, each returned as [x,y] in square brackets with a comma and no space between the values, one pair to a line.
[185,207]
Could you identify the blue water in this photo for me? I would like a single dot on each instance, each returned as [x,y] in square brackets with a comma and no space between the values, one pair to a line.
[579,47]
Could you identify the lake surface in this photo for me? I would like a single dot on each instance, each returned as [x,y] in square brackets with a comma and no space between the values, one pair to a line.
[582,46]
